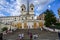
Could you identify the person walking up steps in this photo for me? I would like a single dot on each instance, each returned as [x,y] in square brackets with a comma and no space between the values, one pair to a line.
[31,36]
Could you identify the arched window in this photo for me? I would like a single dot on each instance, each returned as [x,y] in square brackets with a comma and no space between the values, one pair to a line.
[15,19]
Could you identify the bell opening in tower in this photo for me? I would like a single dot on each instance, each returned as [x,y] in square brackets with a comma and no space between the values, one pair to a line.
[31,8]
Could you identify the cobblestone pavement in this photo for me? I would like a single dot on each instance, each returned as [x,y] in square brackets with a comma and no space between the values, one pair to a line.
[43,35]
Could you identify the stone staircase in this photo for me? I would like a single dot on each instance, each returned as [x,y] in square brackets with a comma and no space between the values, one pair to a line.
[42,34]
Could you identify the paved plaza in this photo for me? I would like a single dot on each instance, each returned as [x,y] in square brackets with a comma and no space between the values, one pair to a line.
[42,35]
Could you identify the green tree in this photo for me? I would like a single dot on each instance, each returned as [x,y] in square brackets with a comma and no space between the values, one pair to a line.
[49,18]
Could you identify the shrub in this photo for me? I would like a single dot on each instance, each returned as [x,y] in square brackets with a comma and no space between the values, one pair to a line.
[55,27]
[4,28]
[58,24]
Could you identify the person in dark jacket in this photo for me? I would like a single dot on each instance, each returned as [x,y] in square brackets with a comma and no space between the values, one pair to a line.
[59,35]
[1,36]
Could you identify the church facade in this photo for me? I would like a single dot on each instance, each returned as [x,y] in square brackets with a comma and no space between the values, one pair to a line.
[25,20]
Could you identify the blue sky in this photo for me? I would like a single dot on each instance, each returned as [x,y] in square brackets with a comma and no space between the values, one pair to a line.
[12,7]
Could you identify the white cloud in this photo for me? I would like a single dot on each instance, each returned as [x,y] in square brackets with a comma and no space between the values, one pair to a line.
[39,8]
[12,0]
[35,17]
[17,5]
[2,2]
[49,6]
[41,4]
[37,14]
[36,2]
[14,9]
[2,15]
[1,7]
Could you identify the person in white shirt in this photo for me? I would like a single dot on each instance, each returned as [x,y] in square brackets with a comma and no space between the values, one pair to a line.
[20,36]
